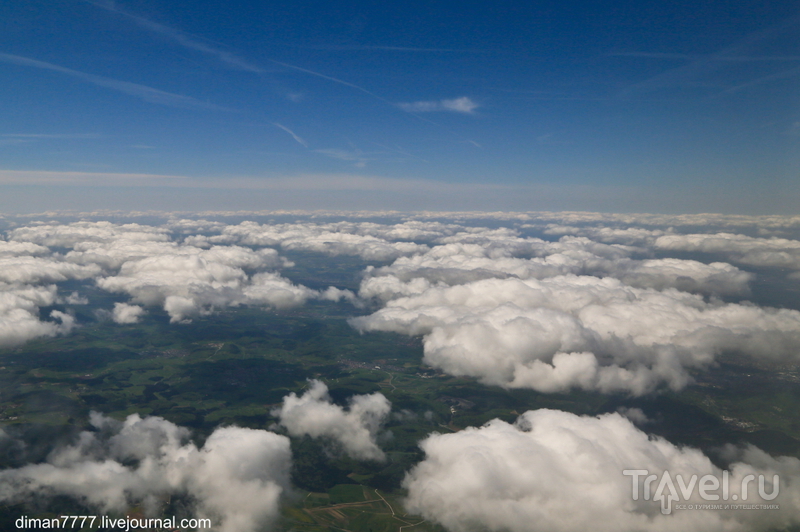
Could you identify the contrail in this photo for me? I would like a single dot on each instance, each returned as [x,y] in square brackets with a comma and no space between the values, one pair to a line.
[148,94]
[237,62]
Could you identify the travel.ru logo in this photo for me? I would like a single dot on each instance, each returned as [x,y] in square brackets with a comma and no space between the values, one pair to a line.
[708,487]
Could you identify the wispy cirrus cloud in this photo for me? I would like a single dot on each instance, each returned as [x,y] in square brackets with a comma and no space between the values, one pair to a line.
[463,105]
[292,133]
[460,105]
[356,156]
[714,57]
[231,60]
[369,48]
[700,70]
[182,38]
[143,92]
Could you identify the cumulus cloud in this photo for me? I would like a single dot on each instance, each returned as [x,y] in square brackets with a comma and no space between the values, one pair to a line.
[335,294]
[115,254]
[189,281]
[354,428]
[472,256]
[76,299]
[632,236]
[634,219]
[236,479]
[578,332]
[19,314]
[185,279]
[769,252]
[635,415]
[144,262]
[332,239]
[16,249]
[124,313]
[26,271]
[463,104]
[557,471]
[409,230]
[34,270]
[193,267]
[461,253]
[190,287]
[717,278]
[68,235]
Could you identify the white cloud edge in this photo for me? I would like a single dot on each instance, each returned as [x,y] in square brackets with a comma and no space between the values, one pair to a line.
[462,105]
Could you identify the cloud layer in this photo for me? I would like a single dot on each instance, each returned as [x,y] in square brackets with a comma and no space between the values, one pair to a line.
[591,302]
[743,249]
[145,263]
[546,301]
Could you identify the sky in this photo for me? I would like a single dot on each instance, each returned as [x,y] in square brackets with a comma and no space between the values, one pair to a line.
[678,107]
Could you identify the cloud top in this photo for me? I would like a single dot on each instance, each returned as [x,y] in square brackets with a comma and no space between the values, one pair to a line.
[593,302]
[236,478]
[355,427]
[565,472]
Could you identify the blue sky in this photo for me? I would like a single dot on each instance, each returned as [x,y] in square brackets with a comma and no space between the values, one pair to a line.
[623,106]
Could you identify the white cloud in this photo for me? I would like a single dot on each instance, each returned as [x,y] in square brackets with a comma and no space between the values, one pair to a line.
[125,314]
[411,230]
[16,249]
[192,267]
[76,299]
[632,236]
[635,415]
[188,279]
[463,104]
[354,428]
[665,220]
[578,331]
[272,289]
[332,239]
[473,255]
[718,278]
[460,105]
[113,255]
[335,294]
[236,479]
[185,279]
[30,270]
[555,471]
[19,314]
[770,252]
[68,235]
